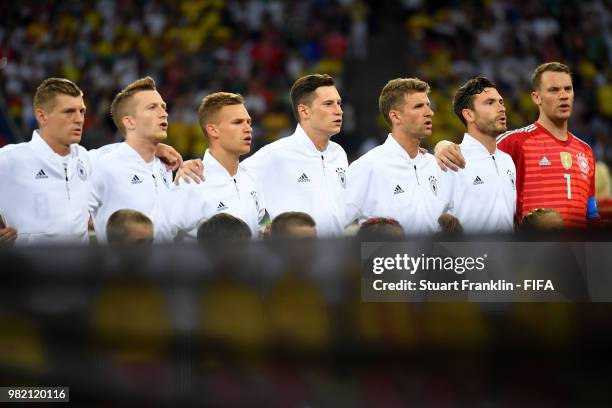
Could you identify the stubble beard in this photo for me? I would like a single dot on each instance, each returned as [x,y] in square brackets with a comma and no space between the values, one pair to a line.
[490,128]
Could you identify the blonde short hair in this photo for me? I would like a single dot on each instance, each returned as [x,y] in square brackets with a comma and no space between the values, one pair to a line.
[121,107]
[118,224]
[392,95]
[212,104]
[44,98]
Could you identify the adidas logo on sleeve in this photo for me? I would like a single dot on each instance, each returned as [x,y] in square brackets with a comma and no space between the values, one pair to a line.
[477,181]
[398,190]
[136,180]
[303,178]
[41,175]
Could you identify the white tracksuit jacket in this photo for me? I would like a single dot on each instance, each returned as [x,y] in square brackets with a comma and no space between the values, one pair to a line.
[295,176]
[185,207]
[44,195]
[386,182]
[122,179]
[483,195]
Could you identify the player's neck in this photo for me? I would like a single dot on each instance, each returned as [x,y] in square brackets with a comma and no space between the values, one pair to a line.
[320,140]
[58,147]
[228,160]
[145,148]
[484,139]
[557,128]
[409,143]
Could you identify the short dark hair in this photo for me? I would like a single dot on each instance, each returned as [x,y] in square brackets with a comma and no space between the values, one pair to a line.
[302,91]
[223,226]
[464,97]
[547,67]
[531,222]
[117,226]
[282,222]
[46,92]
[380,228]
[392,94]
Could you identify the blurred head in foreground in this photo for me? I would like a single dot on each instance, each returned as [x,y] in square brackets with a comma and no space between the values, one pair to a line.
[223,227]
[541,220]
[449,224]
[129,227]
[293,224]
[380,228]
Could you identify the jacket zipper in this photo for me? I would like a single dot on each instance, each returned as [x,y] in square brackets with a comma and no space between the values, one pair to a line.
[237,190]
[66,177]
[155,181]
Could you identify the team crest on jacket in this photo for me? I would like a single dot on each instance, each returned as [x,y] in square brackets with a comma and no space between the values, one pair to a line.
[254,196]
[512,177]
[433,183]
[566,160]
[81,171]
[583,163]
[341,176]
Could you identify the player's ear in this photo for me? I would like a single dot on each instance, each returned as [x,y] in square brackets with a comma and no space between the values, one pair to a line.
[303,111]
[41,116]
[394,116]
[128,122]
[212,130]
[467,114]
[535,97]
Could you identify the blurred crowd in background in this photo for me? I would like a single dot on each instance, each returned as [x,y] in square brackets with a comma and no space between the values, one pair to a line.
[191,48]
[259,47]
[506,41]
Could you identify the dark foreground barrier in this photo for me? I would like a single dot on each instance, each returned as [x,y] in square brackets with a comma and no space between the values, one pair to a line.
[300,323]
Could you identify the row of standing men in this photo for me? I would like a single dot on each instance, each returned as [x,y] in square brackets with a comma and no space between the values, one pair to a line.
[52,185]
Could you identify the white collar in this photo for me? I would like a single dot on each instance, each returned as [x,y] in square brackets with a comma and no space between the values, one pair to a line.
[310,148]
[213,167]
[393,146]
[471,143]
[130,151]
[39,144]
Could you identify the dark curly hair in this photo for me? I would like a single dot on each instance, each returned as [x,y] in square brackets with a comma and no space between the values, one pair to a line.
[464,97]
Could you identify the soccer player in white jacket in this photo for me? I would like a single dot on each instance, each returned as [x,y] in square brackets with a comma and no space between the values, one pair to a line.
[396,179]
[483,194]
[131,176]
[45,182]
[307,171]
[229,186]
